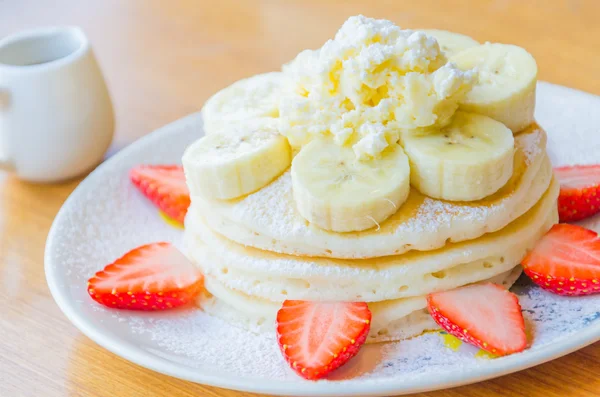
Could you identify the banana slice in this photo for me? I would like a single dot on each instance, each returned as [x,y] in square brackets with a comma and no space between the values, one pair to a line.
[450,42]
[251,98]
[467,160]
[506,87]
[336,191]
[235,162]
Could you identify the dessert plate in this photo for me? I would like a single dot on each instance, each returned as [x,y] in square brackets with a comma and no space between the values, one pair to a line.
[106,216]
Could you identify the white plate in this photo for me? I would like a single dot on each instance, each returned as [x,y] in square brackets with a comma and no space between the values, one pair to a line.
[105,217]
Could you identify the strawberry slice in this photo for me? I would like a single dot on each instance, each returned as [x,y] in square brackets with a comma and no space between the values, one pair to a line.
[151,277]
[579,192]
[165,186]
[484,315]
[318,337]
[566,261]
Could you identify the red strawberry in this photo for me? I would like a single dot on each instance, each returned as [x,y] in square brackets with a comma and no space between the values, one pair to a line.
[151,277]
[566,261]
[165,186]
[318,337]
[484,315]
[579,192]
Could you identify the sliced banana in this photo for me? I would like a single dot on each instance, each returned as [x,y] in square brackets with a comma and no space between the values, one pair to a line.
[506,88]
[336,191]
[235,162]
[467,160]
[450,42]
[251,98]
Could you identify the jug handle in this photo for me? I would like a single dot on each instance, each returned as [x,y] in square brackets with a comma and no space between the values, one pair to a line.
[5,163]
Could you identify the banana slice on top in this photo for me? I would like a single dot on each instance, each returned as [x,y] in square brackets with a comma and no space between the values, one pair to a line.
[467,160]
[450,42]
[251,98]
[506,89]
[336,191]
[235,162]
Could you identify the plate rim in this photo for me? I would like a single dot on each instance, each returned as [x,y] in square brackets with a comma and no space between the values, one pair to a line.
[352,387]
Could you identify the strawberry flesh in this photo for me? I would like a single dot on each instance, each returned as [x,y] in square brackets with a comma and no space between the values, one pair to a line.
[579,192]
[151,277]
[317,337]
[566,261]
[484,315]
[165,186]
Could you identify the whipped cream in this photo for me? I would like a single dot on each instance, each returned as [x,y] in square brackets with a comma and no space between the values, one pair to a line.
[366,84]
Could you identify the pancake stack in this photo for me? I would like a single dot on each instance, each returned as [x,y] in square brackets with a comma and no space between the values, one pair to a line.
[270,220]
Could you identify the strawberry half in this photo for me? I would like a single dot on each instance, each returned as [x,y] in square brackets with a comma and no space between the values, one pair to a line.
[318,337]
[165,186]
[151,277]
[579,192]
[484,315]
[566,261]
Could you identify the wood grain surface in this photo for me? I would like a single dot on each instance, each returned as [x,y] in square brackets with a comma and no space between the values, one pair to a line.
[162,59]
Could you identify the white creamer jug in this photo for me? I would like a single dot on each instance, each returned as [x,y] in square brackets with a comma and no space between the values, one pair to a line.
[56,116]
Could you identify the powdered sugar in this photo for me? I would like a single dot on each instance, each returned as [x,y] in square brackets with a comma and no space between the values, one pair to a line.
[106,217]
[201,341]
[196,336]
[573,121]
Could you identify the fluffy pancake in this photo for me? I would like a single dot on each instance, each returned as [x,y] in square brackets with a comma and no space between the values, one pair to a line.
[277,277]
[268,219]
[392,320]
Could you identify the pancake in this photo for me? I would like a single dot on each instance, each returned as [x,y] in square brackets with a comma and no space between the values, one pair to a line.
[391,320]
[277,277]
[268,219]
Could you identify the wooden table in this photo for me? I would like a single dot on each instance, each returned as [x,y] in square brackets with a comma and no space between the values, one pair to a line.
[162,59]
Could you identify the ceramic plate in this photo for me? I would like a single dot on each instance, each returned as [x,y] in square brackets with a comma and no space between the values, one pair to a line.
[106,216]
